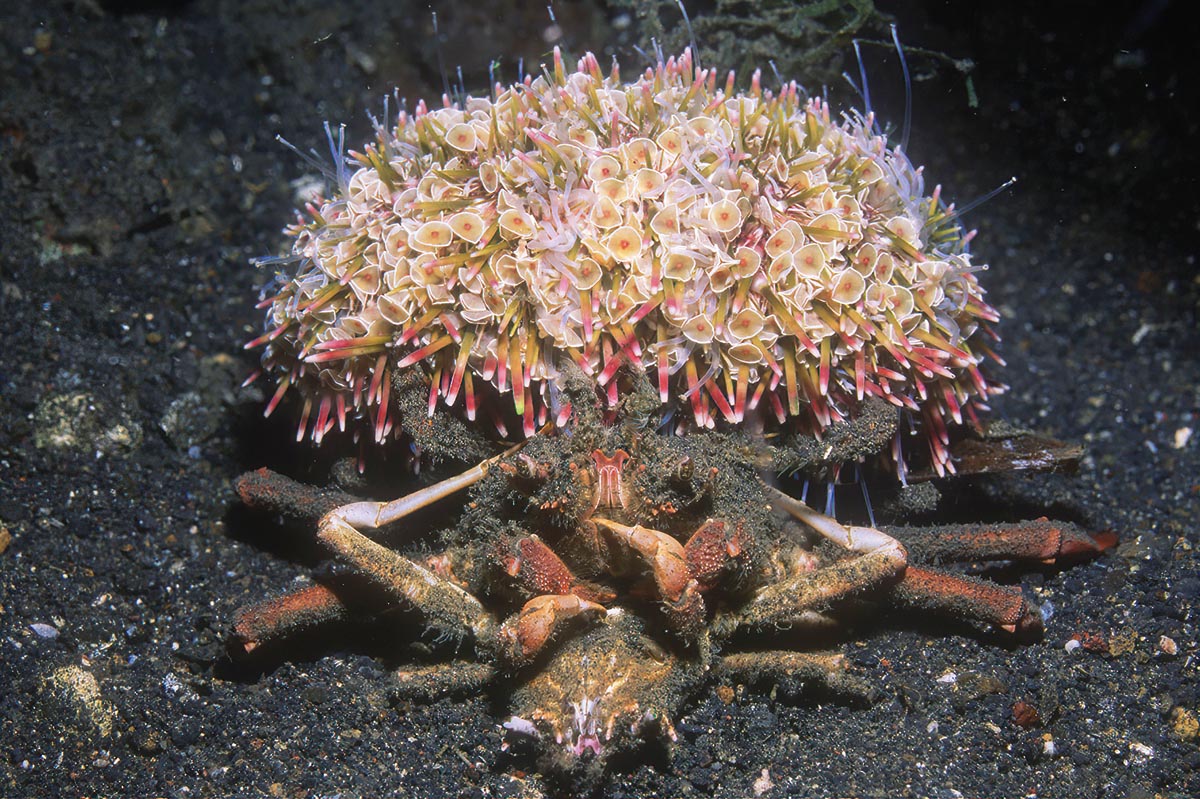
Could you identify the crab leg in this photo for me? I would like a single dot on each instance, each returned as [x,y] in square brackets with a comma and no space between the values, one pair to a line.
[372,515]
[967,598]
[272,492]
[880,560]
[443,603]
[715,550]
[538,570]
[1038,540]
[979,600]
[827,669]
[275,618]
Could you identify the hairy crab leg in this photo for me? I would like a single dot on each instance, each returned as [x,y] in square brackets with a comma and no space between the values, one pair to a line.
[443,603]
[667,560]
[265,621]
[881,560]
[967,598]
[827,669]
[715,550]
[964,597]
[537,569]
[1038,540]
[372,515]
[427,683]
[272,492]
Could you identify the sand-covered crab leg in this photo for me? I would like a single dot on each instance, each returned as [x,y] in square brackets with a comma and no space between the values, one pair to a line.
[1038,540]
[930,588]
[444,604]
[371,515]
[880,560]
[292,612]
[827,669]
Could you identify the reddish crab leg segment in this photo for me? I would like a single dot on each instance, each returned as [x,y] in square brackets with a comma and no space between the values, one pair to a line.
[538,570]
[535,566]
[275,618]
[1040,540]
[442,602]
[523,635]
[714,549]
[272,492]
[966,598]
[668,562]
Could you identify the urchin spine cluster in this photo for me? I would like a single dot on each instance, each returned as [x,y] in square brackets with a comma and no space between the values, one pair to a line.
[744,248]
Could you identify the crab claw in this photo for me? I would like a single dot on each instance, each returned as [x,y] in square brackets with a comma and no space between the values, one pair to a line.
[523,635]
[668,562]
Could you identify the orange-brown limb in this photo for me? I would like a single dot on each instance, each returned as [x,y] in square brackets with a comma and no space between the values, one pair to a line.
[266,621]
[667,561]
[1038,540]
[715,549]
[968,599]
[538,570]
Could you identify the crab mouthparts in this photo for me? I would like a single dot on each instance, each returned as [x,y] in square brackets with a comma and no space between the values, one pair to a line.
[580,736]
[609,491]
[585,727]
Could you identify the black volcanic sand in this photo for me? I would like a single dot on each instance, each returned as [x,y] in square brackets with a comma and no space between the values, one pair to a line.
[140,174]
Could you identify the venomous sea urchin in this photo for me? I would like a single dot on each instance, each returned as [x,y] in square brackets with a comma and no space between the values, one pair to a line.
[676,290]
[746,249]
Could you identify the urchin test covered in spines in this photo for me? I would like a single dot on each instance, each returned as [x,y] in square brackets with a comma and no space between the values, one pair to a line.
[748,250]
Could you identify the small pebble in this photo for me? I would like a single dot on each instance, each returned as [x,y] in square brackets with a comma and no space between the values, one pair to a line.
[1184,724]
[1167,646]
[763,783]
[1025,715]
[44,630]
[1182,436]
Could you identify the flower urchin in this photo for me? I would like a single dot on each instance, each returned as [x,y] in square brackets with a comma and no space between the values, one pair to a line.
[745,249]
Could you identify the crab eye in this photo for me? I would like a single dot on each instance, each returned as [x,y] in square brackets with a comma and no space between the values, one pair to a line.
[684,469]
